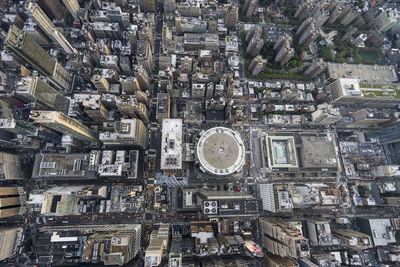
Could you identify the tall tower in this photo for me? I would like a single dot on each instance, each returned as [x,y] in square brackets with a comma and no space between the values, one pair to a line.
[8,242]
[73,8]
[142,77]
[27,50]
[34,11]
[61,123]
[10,201]
[36,90]
[53,8]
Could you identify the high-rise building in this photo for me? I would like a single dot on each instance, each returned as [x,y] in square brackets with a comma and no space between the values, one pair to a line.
[53,8]
[283,239]
[34,11]
[130,85]
[26,50]
[349,16]
[149,5]
[100,83]
[10,167]
[12,201]
[336,12]
[127,132]
[17,126]
[304,26]
[283,39]
[163,106]
[142,77]
[249,7]
[257,65]
[8,242]
[131,108]
[231,16]
[73,8]
[42,94]
[255,44]
[316,68]
[309,35]
[169,6]
[34,31]
[61,123]
[284,54]
[171,146]
[144,56]
[63,42]
[303,10]
[386,20]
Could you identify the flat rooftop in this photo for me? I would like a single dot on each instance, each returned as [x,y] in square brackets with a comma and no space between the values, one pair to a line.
[62,166]
[365,73]
[221,151]
[171,144]
[281,152]
[318,151]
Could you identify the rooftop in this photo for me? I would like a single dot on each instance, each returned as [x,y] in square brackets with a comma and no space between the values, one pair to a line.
[171,144]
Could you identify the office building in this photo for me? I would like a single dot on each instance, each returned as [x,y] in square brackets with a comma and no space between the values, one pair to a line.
[163,106]
[12,201]
[142,77]
[100,83]
[257,65]
[53,8]
[319,232]
[351,91]
[386,20]
[129,85]
[43,95]
[130,108]
[63,42]
[154,253]
[61,123]
[379,229]
[9,240]
[169,6]
[17,126]
[272,260]
[26,50]
[387,135]
[352,239]
[34,11]
[109,244]
[283,239]
[171,146]
[73,8]
[127,132]
[10,167]
[34,31]
[144,56]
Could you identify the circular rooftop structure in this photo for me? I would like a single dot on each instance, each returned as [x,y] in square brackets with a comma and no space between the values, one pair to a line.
[221,151]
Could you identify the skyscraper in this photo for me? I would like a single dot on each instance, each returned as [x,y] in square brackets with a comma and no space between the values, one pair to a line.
[61,123]
[8,241]
[26,50]
[53,8]
[10,167]
[11,201]
[257,65]
[73,8]
[42,94]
